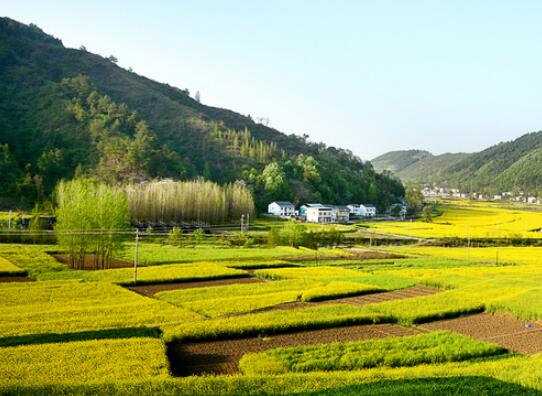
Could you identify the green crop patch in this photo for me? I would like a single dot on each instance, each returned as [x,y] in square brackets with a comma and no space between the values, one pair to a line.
[49,309]
[97,361]
[428,348]
[154,274]
[153,253]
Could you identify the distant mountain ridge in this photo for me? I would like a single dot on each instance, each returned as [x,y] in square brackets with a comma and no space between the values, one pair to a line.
[514,165]
[416,165]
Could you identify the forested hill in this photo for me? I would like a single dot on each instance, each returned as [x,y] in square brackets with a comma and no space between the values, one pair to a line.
[67,111]
[416,165]
[507,166]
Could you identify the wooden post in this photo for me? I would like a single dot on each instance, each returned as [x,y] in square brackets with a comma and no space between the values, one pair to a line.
[136,254]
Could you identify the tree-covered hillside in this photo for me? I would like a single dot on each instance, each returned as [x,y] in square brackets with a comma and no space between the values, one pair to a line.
[65,112]
[416,165]
[508,166]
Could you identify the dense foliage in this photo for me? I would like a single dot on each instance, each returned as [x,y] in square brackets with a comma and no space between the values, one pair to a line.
[90,219]
[65,112]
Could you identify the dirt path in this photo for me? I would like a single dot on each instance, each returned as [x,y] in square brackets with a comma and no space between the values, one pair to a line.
[222,357]
[89,264]
[504,330]
[152,289]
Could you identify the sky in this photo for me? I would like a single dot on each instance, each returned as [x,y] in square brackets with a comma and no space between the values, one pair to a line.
[369,76]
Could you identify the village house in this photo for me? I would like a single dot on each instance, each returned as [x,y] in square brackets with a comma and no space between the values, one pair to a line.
[317,213]
[340,214]
[281,208]
[362,210]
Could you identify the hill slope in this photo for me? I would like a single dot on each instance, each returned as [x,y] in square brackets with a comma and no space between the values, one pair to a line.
[507,166]
[65,111]
[416,165]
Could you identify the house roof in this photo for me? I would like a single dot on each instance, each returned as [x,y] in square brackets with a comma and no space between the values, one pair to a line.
[343,207]
[283,203]
[368,205]
[314,205]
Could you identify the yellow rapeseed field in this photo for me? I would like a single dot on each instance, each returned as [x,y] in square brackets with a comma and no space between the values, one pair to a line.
[475,220]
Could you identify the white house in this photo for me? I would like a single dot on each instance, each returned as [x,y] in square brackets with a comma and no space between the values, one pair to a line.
[281,208]
[403,210]
[317,213]
[340,213]
[367,210]
[354,209]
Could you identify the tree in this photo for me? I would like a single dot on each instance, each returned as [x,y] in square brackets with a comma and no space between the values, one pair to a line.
[427,214]
[198,97]
[89,218]
[414,197]
[112,58]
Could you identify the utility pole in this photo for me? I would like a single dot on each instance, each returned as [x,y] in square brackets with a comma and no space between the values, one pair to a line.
[468,243]
[136,254]
[9,220]
[242,222]
[248,221]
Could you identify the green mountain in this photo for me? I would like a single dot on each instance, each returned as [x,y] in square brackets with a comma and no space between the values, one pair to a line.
[416,165]
[66,112]
[508,166]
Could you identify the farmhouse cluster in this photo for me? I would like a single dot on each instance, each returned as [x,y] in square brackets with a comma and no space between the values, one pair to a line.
[321,213]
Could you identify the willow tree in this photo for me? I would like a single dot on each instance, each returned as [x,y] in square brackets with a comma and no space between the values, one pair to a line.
[90,220]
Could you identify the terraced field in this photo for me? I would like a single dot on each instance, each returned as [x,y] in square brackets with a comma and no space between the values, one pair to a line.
[279,325]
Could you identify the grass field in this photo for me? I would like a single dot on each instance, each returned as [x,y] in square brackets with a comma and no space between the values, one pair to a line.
[475,220]
[152,253]
[428,348]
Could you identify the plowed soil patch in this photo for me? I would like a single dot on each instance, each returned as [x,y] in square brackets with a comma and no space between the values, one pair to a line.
[222,357]
[15,279]
[89,262]
[152,289]
[504,330]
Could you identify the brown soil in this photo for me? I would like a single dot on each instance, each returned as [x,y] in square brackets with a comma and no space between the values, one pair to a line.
[89,264]
[500,329]
[152,289]
[222,357]
[414,291]
[15,279]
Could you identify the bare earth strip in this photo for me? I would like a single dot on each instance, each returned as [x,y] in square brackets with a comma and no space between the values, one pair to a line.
[15,279]
[152,289]
[504,330]
[222,357]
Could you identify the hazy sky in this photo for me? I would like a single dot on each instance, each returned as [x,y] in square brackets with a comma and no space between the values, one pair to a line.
[371,76]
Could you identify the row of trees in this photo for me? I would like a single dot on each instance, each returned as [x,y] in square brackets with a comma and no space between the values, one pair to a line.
[199,201]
